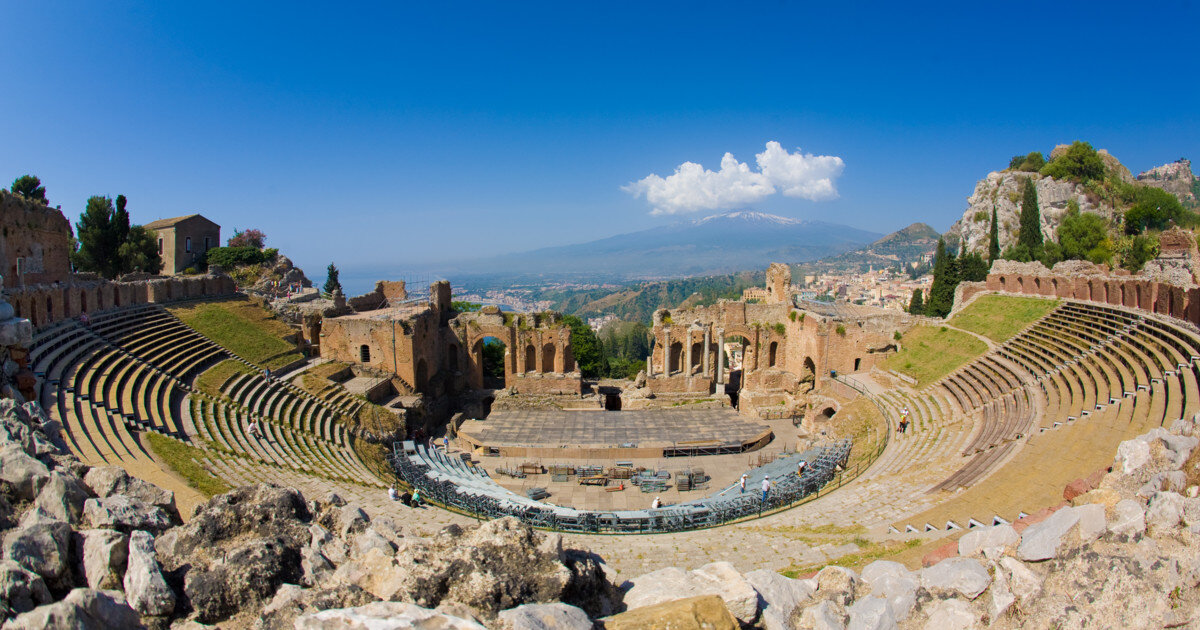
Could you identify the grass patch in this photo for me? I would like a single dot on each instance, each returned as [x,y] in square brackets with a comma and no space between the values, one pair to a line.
[210,381]
[999,317]
[374,457]
[932,352]
[243,326]
[181,458]
[868,552]
[861,421]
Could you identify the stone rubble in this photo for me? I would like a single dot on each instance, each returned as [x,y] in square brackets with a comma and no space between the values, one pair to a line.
[95,548]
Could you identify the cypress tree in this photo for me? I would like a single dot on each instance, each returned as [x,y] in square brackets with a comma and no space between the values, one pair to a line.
[945,279]
[993,238]
[916,305]
[331,283]
[1031,221]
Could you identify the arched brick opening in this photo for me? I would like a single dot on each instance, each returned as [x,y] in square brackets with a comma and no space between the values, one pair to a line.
[772,354]
[675,357]
[697,356]
[421,374]
[548,358]
[809,366]
[568,360]
[530,358]
[364,353]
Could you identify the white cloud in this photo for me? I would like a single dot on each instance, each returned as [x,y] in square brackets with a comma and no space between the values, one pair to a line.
[806,176]
[692,187]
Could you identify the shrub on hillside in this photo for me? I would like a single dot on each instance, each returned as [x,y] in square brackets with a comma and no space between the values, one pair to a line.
[1156,209]
[230,257]
[1031,163]
[1079,163]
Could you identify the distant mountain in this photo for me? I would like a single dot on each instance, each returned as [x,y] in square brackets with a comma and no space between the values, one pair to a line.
[718,244]
[901,247]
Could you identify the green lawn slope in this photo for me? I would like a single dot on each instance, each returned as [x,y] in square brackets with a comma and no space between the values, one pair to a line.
[999,317]
[243,326]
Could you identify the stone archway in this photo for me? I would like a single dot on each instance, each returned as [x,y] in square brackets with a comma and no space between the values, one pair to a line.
[548,358]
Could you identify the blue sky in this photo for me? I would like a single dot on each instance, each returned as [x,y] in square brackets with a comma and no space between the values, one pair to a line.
[395,135]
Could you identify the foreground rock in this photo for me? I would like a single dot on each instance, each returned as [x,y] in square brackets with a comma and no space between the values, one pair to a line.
[706,612]
[500,565]
[81,609]
[236,551]
[384,616]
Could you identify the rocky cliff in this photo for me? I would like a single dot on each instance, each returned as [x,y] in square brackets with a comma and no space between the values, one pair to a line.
[1002,190]
[1176,178]
[94,548]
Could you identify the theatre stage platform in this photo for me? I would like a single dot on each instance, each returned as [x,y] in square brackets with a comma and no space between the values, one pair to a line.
[614,434]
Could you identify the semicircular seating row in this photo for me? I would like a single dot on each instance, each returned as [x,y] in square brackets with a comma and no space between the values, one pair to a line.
[1047,407]
[130,369]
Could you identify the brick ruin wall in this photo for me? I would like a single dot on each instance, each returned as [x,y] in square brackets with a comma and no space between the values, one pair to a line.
[434,354]
[1131,291]
[48,303]
[37,235]
[783,346]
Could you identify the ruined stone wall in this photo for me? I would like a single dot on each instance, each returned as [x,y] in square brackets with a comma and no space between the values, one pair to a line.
[36,235]
[437,355]
[47,303]
[1084,281]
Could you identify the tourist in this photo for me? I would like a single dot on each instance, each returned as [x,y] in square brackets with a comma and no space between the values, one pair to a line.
[800,467]
[766,487]
[252,428]
[267,374]
[83,319]
[657,503]
[904,425]
[742,482]
[416,497]
[392,493]
[406,499]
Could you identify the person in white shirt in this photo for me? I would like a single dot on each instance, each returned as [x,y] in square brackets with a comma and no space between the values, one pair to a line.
[742,482]
[766,487]
[657,503]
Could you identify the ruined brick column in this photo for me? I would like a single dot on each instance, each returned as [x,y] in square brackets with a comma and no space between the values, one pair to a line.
[707,352]
[667,351]
[687,364]
[721,357]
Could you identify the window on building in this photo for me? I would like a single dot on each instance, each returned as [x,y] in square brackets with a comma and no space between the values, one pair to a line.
[160,247]
[364,353]
[187,244]
[205,243]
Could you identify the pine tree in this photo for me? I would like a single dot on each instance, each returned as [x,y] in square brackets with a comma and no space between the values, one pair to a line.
[331,283]
[916,305]
[1030,235]
[993,238]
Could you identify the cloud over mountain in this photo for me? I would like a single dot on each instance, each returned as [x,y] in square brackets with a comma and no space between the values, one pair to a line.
[692,187]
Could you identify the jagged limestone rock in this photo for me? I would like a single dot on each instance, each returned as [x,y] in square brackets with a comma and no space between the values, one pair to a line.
[26,474]
[43,547]
[145,589]
[81,609]
[383,616]
[717,578]
[704,612]
[126,514]
[21,590]
[557,616]
[956,576]
[779,597]
[104,554]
